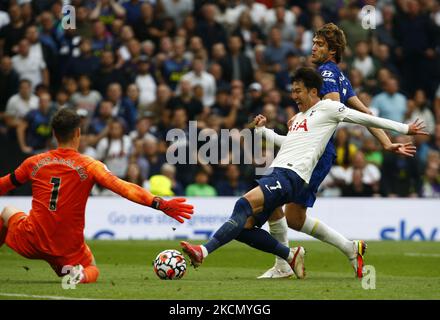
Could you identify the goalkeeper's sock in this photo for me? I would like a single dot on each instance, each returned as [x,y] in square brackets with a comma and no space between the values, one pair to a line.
[278,229]
[231,228]
[323,232]
[91,274]
[3,232]
[262,240]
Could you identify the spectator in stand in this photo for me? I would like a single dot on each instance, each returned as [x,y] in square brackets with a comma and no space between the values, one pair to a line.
[357,81]
[29,66]
[115,149]
[345,151]
[134,175]
[401,175]
[362,178]
[86,98]
[419,108]
[282,78]
[86,63]
[43,52]
[12,33]
[390,104]
[106,11]
[165,183]
[208,29]
[201,186]
[384,33]
[107,73]
[354,32]
[34,131]
[232,185]
[250,33]
[102,39]
[217,72]
[276,51]
[100,122]
[287,29]
[384,59]
[145,82]
[371,151]
[132,94]
[151,160]
[218,53]
[158,109]
[236,65]
[186,99]
[226,107]
[9,80]
[20,104]
[122,107]
[431,181]
[132,11]
[174,68]
[177,9]
[363,61]
[417,37]
[198,76]
[149,26]
[271,16]
[83,23]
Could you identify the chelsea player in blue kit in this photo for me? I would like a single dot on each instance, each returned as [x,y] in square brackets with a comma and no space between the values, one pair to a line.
[328,46]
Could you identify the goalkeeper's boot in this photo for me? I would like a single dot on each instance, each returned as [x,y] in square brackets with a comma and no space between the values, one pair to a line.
[357,260]
[194,252]
[277,272]
[297,263]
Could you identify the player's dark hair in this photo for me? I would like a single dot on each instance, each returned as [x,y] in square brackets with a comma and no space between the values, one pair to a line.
[309,77]
[64,123]
[335,38]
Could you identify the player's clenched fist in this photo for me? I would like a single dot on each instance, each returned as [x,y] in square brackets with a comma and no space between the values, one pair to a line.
[260,120]
[175,208]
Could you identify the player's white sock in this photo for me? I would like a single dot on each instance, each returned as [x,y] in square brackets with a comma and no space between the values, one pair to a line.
[278,230]
[323,232]
[204,251]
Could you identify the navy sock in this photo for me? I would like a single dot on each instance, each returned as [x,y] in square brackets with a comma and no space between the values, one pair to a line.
[231,228]
[262,240]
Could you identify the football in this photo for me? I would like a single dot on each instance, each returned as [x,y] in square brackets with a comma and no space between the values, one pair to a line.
[170,265]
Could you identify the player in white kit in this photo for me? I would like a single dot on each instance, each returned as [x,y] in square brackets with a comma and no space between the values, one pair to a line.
[291,170]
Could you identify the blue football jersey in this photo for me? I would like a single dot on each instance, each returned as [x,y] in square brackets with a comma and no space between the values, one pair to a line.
[335,81]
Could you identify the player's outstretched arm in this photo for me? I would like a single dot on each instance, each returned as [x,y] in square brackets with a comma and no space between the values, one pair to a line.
[16,178]
[176,208]
[259,122]
[6,184]
[405,149]
[415,128]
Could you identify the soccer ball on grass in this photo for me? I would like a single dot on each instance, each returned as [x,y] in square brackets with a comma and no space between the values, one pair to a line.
[169,265]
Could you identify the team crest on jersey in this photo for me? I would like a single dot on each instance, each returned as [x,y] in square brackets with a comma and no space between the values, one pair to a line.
[300,125]
[327,73]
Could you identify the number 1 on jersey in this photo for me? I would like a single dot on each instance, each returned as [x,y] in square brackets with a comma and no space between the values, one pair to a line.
[54,195]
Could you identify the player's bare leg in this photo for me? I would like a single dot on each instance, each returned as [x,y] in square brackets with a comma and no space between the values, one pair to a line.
[298,220]
[245,210]
[278,229]
[5,215]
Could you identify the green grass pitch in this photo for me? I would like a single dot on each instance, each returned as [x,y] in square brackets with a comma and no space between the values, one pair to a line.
[404,270]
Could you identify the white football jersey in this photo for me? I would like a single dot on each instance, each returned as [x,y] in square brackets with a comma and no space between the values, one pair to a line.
[310,132]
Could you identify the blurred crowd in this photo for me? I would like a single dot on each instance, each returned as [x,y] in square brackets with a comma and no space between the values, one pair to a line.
[135,69]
